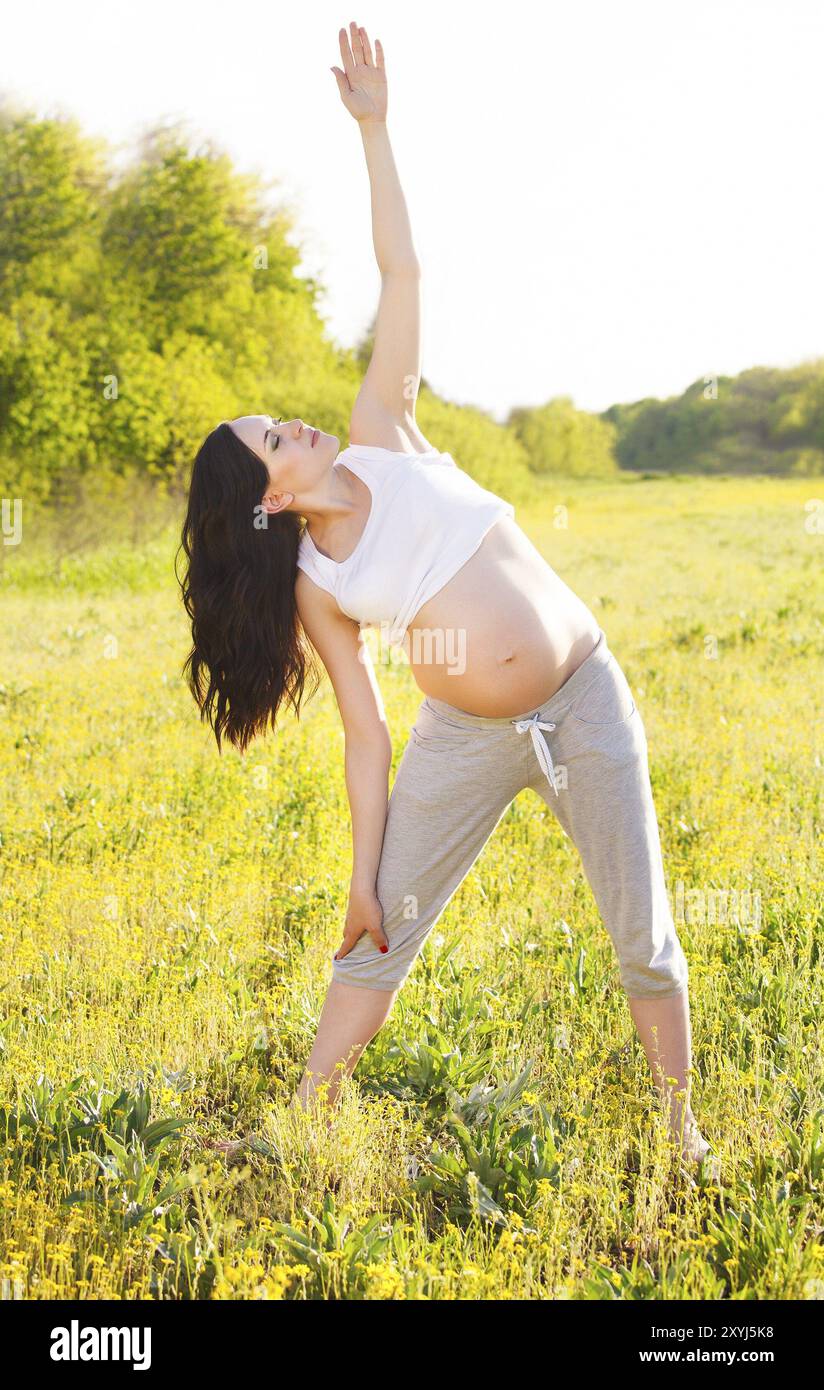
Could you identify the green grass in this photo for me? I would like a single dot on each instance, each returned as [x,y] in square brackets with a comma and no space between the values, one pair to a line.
[169,916]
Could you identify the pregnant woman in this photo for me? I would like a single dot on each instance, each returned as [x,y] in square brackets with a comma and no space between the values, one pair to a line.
[287,537]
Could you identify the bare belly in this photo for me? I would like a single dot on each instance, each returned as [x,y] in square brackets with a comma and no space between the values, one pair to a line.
[503,634]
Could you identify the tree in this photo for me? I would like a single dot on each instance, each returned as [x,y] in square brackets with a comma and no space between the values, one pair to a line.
[560,440]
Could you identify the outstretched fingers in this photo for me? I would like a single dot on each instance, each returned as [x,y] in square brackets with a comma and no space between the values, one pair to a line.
[346,54]
[356,42]
[356,49]
[367,48]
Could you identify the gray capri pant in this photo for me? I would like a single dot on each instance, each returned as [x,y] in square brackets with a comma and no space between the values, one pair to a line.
[585,752]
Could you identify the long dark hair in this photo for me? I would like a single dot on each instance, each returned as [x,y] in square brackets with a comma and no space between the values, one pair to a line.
[249,653]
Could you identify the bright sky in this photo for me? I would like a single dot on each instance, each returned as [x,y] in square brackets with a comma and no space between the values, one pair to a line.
[609,199]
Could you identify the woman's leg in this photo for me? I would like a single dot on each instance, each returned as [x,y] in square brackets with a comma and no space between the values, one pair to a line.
[453,784]
[605,804]
[349,1019]
[663,1026]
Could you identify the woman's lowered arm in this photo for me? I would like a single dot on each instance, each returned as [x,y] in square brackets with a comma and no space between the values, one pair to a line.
[367,751]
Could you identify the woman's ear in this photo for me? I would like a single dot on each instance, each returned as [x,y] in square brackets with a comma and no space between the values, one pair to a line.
[276,504]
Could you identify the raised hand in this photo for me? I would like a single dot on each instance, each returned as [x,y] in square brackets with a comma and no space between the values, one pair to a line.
[362,82]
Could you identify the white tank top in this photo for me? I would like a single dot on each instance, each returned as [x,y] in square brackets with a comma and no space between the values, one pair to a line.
[427,518]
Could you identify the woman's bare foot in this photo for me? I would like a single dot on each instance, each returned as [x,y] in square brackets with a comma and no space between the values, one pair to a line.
[696,1153]
[694,1147]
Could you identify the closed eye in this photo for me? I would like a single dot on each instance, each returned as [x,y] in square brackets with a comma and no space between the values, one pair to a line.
[271,432]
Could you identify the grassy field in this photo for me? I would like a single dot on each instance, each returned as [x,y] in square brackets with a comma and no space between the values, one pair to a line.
[169,916]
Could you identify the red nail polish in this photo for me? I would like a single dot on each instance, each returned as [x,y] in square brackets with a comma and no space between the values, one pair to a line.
[335,956]
[384,949]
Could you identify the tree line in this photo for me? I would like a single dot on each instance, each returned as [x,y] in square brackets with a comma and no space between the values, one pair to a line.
[141,303]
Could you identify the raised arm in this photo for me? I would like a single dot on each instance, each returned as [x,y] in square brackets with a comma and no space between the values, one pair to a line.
[384,412]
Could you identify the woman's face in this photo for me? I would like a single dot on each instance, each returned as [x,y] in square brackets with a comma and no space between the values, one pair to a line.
[296,456]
